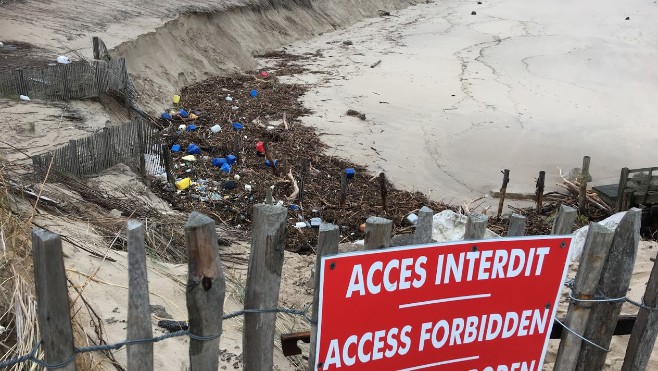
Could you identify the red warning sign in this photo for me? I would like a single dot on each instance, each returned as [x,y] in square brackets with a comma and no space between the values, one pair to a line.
[472,306]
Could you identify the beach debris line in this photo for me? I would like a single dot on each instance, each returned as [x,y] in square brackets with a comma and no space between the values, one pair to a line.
[355,113]
[376,64]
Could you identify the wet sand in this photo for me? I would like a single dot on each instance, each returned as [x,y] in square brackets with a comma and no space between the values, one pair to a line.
[459,97]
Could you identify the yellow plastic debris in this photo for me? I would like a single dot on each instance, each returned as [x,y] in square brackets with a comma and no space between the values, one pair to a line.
[183,183]
[176,99]
[193,116]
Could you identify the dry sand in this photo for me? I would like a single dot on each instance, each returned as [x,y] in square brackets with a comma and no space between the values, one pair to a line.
[527,86]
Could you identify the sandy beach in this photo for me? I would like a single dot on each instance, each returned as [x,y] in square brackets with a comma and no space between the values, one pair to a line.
[451,98]
[458,97]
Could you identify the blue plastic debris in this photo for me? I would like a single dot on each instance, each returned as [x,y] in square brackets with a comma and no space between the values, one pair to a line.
[267,163]
[226,168]
[175,148]
[254,93]
[219,161]
[193,149]
[237,126]
[231,159]
[183,113]
[350,173]
[166,116]
[191,127]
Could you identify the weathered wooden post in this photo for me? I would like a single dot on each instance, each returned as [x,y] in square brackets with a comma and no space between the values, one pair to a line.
[594,255]
[378,233]
[52,298]
[423,232]
[503,191]
[263,283]
[140,356]
[645,330]
[516,225]
[623,180]
[584,178]
[343,188]
[206,288]
[476,227]
[539,191]
[563,223]
[614,283]
[269,157]
[383,191]
[327,245]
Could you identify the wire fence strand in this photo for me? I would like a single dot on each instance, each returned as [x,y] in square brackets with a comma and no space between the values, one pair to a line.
[31,356]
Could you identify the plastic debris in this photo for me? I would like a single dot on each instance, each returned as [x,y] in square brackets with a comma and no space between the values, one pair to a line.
[175,148]
[175,99]
[190,158]
[264,73]
[25,98]
[229,184]
[229,99]
[235,108]
[62,59]
[218,161]
[301,225]
[182,127]
[270,127]
[183,113]
[267,163]
[253,93]
[247,187]
[165,116]
[260,147]
[293,207]
[315,222]
[226,168]
[231,159]
[193,116]
[237,126]
[350,172]
[183,183]
[193,149]
[191,127]
[236,177]
[412,218]
[216,129]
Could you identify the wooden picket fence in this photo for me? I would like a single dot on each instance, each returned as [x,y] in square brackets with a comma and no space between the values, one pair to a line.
[131,144]
[606,266]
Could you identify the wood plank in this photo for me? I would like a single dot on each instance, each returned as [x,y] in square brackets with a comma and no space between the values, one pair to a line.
[140,356]
[597,245]
[262,287]
[614,282]
[328,239]
[378,233]
[206,288]
[52,298]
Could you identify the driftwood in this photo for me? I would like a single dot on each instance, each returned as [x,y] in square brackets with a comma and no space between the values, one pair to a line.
[295,187]
[285,121]
[574,187]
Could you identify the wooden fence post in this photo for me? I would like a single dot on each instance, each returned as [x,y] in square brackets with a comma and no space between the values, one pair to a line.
[594,255]
[206,288]
[516,225]
[476,227]
[563,223]
[584,178]
[614,282]
[623,180]
[52,298]
[503,191]
[539,191]
[140,356]
[263,283]
[343,188]
[378,233]
[327,245]
[645,330]
[423,232]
